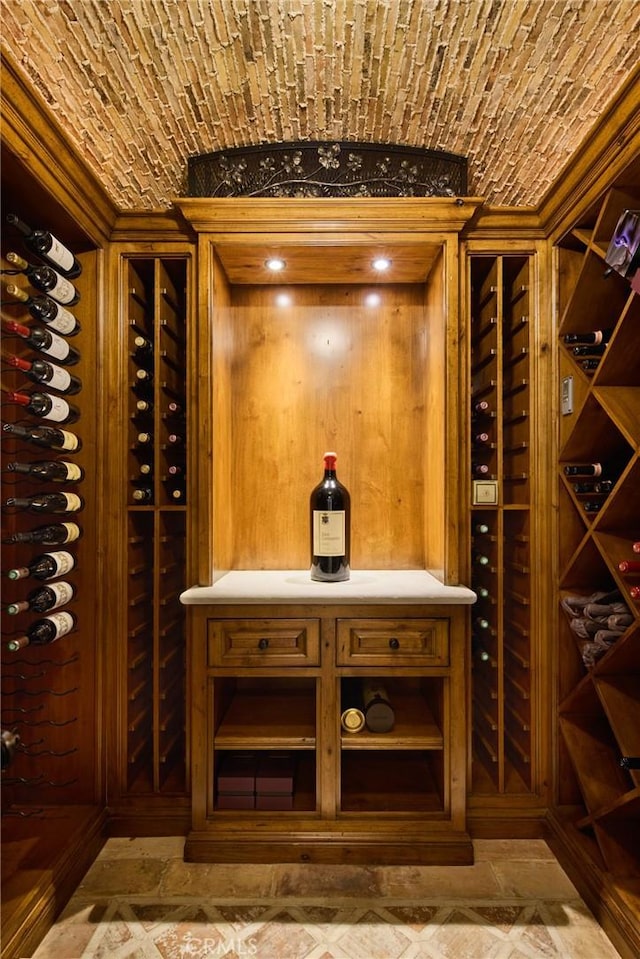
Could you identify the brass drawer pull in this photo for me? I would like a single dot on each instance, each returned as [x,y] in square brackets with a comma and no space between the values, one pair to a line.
[394,643]
[263,643]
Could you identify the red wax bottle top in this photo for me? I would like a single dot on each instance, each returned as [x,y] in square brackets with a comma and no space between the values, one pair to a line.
[18,328]
[330,460]
[20,398]
[18,363]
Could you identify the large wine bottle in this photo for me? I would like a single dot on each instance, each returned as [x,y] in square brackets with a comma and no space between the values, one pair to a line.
[595,337]
[57,471]
[45,566]
[43,598]
[45,244]
[45,341]
[46,405]
[40,371]
[48,503]
[47,280]
[47,310]
[44,631]
[53,534]
[47,436]
[330,512]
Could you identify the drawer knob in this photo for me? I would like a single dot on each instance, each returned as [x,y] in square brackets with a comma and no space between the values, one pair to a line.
[394,643]
[263,643]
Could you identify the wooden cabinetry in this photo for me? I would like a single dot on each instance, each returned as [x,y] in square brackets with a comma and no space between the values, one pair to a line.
[277,676]
[599,660]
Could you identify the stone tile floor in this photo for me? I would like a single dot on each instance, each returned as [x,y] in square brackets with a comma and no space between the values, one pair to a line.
[139,900]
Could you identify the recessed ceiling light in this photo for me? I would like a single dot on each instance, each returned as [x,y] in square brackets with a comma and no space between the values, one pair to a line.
[381,263]
[275,264]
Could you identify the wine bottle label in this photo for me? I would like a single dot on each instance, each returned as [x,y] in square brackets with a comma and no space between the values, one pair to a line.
[74,502]
[69,442]
[60,379]
[64,322]
[59,409]
[73,531]
[63,291]
[329,532]
[63,623]
[74,473]
[64,561]
[60,255]
[63,593]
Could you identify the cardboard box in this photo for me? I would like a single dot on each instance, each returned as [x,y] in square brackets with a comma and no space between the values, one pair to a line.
[237,773]
[275,774]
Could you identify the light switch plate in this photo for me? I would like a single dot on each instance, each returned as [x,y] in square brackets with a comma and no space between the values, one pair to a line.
[566,399]
[485,492]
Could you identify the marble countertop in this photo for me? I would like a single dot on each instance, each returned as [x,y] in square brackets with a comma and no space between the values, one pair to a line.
[254,587]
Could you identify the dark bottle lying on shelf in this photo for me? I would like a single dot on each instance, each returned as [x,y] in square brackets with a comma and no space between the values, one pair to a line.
[144,376]
[175,470]
[481,528]
[592,506]
[43,598]
[45,566]
[144,494]
[58,471]
[47,436]
[176,439]
[146,469]
[45,631]
[45,244]
[47,280]
[145,438]
[595,337]
[379,714]
[46,405]
[478,651]
[48,503]
[144,406]
[590,365]
[482,623]
[174,408]
[589,350]
[45,341]
[142,350]
[47,310]
[583,469]
[599,488]
[482,406]
[53,534]
[480,559]
[177,494]
[43,372]
[9,743]
[330,522]
[482,592]
[479,469]
[481,439]
[636,547]
[630,762]
[629,566]
[634,592]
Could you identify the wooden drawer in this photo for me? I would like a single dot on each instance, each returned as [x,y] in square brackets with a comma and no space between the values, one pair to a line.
[393,642]
[263,642]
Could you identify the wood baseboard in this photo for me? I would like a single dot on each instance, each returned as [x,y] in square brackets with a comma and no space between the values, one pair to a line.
[43,861]
[615,902]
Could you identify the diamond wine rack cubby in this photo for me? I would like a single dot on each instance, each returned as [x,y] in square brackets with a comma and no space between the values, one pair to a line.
[598,642]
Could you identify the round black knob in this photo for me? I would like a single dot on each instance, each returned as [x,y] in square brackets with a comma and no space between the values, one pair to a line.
[394,643]
[263,643]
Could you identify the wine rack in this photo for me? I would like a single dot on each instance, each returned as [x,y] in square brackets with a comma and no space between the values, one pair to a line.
[503,688]
[599,681]
[153,667]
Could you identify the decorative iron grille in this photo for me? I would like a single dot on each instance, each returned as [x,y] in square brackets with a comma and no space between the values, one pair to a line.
[327,169]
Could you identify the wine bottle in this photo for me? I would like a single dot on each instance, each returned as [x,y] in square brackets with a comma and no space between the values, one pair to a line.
[48,503]
[53,534]
[596,337]
[478,651]
[629,566]
[481,528]
[47,280]
[636,547]
[378,712]
[9,742]
[177,494]
[144,406]
[47,310]
[45,566]
[45,342]
[482,406]
[47,436]
[480,469]
[630,762]
[330,515]
[144,376]
[589,365]
[482,623]
[146,469]
[143,350]
[175,470]
[583,469]
[44,631]
[57,471]
[176,439]
[634,592]
[46,405]
[589,350]
[482,592]
[143,494]
[592,506]
[42,372]
[481,438]
[174,408]
[145,438]
[45,244]
[599,488]
[480,560]
[43,598]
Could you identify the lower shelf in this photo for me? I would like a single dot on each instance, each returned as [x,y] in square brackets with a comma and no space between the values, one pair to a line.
[392,782]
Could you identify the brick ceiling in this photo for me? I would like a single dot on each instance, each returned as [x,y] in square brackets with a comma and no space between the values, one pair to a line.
[514,85]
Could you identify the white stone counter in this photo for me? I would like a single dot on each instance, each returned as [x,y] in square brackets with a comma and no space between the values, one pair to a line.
[255,587]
